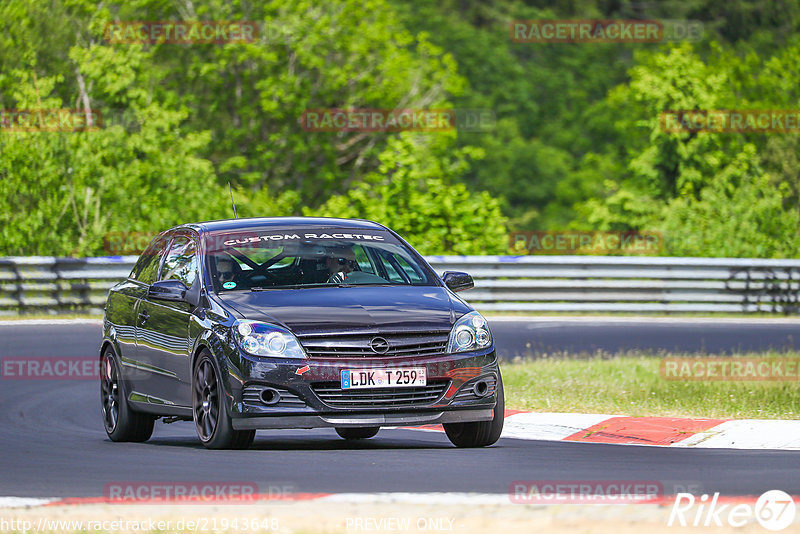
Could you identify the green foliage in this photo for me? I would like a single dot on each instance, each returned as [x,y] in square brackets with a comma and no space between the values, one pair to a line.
[344,54]
[710,193]
[414,196]
[577,143]
[61,192]
[183,121]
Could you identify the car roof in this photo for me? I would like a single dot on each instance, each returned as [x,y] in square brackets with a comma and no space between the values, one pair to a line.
[283,222]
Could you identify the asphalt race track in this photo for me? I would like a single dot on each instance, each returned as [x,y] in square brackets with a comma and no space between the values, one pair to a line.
[53,443]
[576,335]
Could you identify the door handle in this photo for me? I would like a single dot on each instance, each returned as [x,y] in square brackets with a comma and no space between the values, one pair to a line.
[143,317]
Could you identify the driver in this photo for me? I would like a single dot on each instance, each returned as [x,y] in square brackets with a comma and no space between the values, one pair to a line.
[340,262]
[224,270]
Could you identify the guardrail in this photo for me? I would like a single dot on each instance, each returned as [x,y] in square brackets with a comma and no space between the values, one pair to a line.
[502,283]
[629,284]
[41,284]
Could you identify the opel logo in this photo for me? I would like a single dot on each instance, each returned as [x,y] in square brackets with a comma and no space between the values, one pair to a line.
[379,345]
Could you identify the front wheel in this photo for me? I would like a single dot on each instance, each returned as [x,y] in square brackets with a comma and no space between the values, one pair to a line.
[357,433]
[211,419]
[480,433]
[121,422]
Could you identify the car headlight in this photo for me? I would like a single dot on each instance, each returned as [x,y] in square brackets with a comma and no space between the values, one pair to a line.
[261,339]
[469,333]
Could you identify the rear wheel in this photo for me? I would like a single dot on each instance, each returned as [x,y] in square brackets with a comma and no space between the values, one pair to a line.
[357,433]
[121,422]
[479,433]
[211,419]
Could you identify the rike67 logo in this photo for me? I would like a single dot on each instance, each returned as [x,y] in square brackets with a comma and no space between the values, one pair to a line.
[774,510]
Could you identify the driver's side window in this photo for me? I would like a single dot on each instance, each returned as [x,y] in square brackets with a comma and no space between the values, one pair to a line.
[146,267]
[181,261]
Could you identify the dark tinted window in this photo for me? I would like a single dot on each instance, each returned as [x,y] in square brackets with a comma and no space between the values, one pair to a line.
[146,268]
[181,261]
[399,269]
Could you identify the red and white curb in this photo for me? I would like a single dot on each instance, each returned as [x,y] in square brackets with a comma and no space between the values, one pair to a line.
[659,431]
[762,434]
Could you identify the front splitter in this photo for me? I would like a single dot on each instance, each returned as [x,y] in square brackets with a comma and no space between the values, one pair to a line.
[362,420]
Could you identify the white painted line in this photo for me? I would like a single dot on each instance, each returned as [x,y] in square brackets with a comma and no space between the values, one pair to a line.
[41,322]
[747,434]
[22,502]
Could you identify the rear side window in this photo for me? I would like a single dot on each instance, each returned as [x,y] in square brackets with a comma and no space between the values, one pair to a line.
[399,270]
[146,268]
[364,263]
[181,261]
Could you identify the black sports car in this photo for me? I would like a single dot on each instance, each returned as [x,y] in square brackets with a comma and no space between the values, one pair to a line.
[249,324]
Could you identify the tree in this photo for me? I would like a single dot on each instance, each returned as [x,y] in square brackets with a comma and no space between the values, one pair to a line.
[709,192]
[61,192]
[413,192]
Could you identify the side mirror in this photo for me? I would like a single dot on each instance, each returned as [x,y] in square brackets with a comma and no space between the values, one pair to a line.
[457,281]
[173,290]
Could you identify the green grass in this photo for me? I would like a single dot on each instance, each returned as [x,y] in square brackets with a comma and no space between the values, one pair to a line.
[632,385]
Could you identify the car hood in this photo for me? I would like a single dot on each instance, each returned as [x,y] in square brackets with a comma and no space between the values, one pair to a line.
[338,309]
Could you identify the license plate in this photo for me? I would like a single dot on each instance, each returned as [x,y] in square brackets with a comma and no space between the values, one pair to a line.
[383,378]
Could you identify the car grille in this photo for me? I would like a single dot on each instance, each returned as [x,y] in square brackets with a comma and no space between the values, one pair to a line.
[467,392]
[252,395]
[333,395]
[417,344]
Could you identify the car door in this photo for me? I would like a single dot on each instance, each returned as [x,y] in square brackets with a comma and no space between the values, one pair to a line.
[126,308]
[164,342]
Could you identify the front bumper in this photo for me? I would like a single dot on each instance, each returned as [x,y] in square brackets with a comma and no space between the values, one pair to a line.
[362,420]
[310,396]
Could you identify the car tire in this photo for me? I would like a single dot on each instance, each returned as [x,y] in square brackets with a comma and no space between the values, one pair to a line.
[121,422]
[480,433]
[211,420]
[357,433]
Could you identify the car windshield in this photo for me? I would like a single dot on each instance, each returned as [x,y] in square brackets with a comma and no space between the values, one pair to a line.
[267,259]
